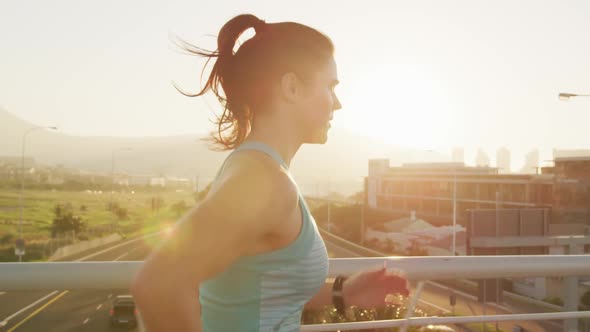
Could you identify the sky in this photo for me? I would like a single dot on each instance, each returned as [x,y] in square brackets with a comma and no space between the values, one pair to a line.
[428,75]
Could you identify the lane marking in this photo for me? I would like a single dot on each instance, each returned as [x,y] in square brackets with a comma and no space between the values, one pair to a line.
[456,291]
[116,259]
[86,321]
[5,320]
[435,306]
[38,311]
[118,246]
[99,306]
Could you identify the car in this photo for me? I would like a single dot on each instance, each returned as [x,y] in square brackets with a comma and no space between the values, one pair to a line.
[123,313]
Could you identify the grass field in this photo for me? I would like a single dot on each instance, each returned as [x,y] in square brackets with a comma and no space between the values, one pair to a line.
[38,214]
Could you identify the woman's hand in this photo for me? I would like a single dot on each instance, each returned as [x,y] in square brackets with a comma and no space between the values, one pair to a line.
[369,288]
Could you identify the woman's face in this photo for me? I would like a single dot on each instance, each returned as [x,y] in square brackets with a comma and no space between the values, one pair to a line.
[318,103]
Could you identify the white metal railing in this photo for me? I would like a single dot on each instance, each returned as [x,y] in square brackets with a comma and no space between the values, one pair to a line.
[109,275]
[113,275]
[423,321]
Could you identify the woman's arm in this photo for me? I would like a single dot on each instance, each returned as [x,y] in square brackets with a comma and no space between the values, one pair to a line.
[209,238]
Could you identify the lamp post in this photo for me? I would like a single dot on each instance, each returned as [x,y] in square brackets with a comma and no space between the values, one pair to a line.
[22,184]
[571,297]
[363,227]
[454,211]
[565,96]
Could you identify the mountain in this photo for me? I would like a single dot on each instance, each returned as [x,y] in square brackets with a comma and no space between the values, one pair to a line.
[342,161]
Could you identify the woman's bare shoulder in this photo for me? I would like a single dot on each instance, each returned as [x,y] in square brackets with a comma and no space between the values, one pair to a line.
[254,182]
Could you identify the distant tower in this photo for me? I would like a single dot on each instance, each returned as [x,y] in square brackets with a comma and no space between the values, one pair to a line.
[458,155]
[503,160]
[531,162]
[482,159]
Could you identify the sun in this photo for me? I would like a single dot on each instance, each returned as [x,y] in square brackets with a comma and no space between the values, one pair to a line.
[400,104]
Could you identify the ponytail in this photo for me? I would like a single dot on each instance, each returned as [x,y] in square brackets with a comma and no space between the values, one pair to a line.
[243,76]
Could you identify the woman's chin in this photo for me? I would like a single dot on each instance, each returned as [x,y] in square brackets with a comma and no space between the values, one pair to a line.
[320,138]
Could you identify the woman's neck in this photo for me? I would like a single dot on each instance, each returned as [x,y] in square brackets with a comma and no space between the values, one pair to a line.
[279,135]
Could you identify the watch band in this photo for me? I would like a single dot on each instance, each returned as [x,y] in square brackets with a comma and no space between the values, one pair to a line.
[337,294]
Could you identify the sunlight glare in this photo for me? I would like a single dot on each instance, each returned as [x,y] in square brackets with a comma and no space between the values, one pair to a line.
[402,104]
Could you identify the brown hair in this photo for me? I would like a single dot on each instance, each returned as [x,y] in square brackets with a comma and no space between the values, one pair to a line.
[246,76]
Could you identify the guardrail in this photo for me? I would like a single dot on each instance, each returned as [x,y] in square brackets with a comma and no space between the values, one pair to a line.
[113,275]
[118,275]
[109,275]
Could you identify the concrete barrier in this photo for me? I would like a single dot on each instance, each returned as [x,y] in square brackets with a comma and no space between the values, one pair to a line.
[83,246]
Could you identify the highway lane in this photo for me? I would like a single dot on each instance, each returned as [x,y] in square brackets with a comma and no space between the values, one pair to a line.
[17,304]
[77,310]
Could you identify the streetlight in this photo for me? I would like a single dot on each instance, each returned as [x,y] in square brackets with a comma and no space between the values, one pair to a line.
[22,184]
[454,244]
[363,214]
[565,96]
[454,211]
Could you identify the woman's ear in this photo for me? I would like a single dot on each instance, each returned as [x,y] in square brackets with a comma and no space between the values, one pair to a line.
[290,89]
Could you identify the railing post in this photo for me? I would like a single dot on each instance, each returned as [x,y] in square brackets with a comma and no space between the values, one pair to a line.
[571,292]
[571,303]
[140,326]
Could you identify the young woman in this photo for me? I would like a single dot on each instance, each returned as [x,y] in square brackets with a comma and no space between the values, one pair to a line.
[249,257]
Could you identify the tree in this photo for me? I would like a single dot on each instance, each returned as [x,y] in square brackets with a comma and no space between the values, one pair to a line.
[390,247]
[121,213]
[179,208]
[157,203]
[112,206]
[65,221]
[358,197]
[7,238]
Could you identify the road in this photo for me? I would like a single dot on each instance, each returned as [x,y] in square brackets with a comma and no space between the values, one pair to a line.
[64,310]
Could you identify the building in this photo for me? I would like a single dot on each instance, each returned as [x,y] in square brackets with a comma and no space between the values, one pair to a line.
[482,159]
[504,214]
[531,162]
[559,153]
[572,190]
[429,188]
[503,160]
[11,168]
[458,155]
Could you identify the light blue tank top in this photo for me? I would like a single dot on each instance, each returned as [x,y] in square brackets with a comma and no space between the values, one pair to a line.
[267,292]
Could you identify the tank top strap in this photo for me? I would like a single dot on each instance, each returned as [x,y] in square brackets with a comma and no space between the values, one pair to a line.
[254,146]
[265,148]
